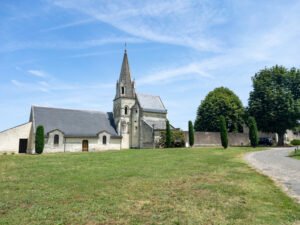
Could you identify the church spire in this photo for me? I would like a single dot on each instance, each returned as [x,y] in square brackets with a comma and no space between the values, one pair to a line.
[125,70]
[125,86]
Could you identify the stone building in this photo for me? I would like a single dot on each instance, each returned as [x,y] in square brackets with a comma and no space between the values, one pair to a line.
[136,122]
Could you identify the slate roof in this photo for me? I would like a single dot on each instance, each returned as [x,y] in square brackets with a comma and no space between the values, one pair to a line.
[73,123]
[151,103]
[158,124]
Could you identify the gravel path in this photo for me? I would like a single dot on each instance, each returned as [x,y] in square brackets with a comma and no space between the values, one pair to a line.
[276,164]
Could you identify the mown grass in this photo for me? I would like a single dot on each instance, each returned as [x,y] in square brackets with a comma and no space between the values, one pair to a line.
[182,186]
[295,154]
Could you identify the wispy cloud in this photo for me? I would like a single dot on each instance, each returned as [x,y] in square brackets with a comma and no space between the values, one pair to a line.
[173,22]
[69,25]
[37,73]
[168,75]
[15,46]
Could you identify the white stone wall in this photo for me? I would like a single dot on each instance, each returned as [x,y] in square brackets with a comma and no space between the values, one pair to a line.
[75,144]
[9,139]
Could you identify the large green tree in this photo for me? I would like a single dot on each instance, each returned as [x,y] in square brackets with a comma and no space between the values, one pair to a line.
[274,101]
[220,101]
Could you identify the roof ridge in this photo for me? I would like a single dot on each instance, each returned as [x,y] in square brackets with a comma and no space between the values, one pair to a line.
[82,110]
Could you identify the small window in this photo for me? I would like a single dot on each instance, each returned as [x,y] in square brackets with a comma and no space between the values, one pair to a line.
[122,90]
[136,111]
[56,139]
[104,140]
[126,110]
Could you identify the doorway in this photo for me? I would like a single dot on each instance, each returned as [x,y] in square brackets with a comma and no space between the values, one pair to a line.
[23,145]
[85,145]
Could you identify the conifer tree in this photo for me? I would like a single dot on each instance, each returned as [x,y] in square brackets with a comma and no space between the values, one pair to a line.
[253,133]
[39,140]
[223,132]
[168,135]
[191,134]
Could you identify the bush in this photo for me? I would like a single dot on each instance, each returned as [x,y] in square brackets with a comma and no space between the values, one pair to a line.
[223,132]
[191,134]
[177,139]
[295,142]
[39,140]
[253,133]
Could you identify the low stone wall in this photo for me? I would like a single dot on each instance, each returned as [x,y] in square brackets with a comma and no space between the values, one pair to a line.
[213,139]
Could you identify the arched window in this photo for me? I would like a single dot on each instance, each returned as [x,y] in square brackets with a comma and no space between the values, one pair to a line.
[126,110]
[104,140]
[56,139]
[122,90]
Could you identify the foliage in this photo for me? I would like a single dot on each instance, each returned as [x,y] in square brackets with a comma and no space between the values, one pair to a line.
[253,133]
[191,134]
[168,135]
[220,101]
[295,142]
[275,100]
[223,132]
[177,139]
[39,140]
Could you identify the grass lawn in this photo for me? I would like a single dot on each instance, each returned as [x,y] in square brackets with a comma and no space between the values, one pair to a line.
[295,154]
[182,186]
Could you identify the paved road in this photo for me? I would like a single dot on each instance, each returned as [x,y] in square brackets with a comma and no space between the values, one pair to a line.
[276,164]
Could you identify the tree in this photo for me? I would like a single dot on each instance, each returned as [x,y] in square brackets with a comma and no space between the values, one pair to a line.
[39,139]
[191,134]
[223,131]
[275,100]
[220,101]
[253,133]
[168,135]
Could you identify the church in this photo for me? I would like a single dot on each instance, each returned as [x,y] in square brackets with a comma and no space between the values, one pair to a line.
[136,122]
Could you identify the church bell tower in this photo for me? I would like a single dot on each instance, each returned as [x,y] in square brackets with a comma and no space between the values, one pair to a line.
[123,102]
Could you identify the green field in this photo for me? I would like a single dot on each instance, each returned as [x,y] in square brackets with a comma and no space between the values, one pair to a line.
[182,186]
[295,154]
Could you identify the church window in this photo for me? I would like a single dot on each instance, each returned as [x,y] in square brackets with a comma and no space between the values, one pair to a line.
[136,128]
[136,111]
[123,90]
[126,110]
[56,139]
[104,140]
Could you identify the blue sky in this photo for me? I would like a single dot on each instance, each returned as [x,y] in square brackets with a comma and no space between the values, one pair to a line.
[68,53]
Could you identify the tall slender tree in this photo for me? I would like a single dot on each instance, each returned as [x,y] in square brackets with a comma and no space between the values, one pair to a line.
[191,134]
[168,135]
[39,139]
[223,132]
[253,133]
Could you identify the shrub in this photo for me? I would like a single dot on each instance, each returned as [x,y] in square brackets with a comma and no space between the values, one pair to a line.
[191,134]
[177,139]
[223,132]
[253,133]
[39,140]
[295,142]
